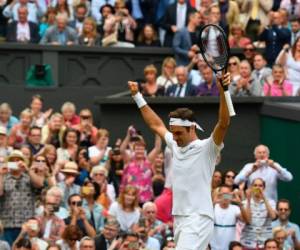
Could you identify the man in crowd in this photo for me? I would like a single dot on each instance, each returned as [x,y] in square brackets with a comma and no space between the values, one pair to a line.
[292,229]
[80,14]
[87,243]
[295,28]
[265,168]
[22,30]
[209,86]
[34,140]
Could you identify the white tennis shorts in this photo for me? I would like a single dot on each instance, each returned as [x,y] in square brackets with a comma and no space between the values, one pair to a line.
[193,232]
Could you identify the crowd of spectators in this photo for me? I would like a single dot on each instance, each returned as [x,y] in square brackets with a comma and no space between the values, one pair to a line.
[271,26]
[65,186]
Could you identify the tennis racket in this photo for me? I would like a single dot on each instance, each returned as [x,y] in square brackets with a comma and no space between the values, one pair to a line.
[215,51]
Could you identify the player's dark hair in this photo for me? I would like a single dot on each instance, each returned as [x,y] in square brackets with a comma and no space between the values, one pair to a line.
[183,113]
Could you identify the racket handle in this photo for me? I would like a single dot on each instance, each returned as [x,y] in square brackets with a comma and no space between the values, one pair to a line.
[229,103]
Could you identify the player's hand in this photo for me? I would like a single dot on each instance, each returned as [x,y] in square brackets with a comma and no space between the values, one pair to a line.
[133,87]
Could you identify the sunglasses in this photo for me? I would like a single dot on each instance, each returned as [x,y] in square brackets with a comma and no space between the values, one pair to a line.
[76,203]
[233,63]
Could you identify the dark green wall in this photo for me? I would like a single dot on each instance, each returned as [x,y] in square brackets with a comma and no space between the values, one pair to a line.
[283,138]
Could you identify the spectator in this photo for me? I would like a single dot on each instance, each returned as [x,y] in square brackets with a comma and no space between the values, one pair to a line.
[175,19]
[17,198]
[290,59]
[126,210]
[260,211]
[195,75]
[49,151]
[48,20]
[249,53]
[167,77]
[265,168]
[53,131]
[284,212]
[89,36]
[93,210]
[244,85]
[80,14]
[87,243]
[31,229]
[34,10]
[230,12]
[150,87]
[209,86]
[280,86]
[107,193]
[184,87]
[84,166]
[139,167]
[237,38]
[280,235]
[20,131]
[158,165]
[226,216]
[54,247]
[69,148]
[271,244]
[215,17]
[64,9]
[217,179]
[22,31]
[60,34]
[68,186]
[5,150]
[88,132]
[256,16]
[106,10]
[3,244]
[109,234]
[39,118]
[155,227]
[7,120]
[234,68]
[99,153]
[235,245]
[77,216]
[186,39]
[284,14]
[148,37]
[27,153]
[295,28]
[274,37]
[169,242]
[70,238]
[34,140]
[228,179]
[292,6]
[68,110]
[260,73]
[23,244]
[96,7]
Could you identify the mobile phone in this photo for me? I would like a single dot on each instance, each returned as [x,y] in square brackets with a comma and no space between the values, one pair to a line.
[33,227]
[133,245]
[227,196]
[12,165]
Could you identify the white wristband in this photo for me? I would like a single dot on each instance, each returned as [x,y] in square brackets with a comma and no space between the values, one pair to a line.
[139,99]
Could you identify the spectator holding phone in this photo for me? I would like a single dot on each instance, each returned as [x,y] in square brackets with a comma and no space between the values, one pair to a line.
[227,210]
[265,168]
[260,211]
[17,199]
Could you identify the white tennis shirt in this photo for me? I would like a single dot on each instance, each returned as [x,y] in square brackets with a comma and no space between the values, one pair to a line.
[193,167]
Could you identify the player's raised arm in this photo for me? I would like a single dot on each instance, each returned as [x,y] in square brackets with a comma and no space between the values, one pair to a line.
[224,118]
[150,117]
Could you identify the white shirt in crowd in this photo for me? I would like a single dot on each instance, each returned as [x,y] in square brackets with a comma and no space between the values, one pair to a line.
[268,174]
[225,226]
[180,16]
[193,167]
[23,32]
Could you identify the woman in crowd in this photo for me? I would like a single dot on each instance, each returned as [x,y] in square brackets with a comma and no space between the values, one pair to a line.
[167,77]
[49,152]
[150,86]
[99,153]
[260,212]
[7,120]
[70,238]
[88,132]
[148,37]
[84,166]
[68,151]
[237,38]
[290,59]
[217,179]
[49,20]
[38,117]
[62,7]
[281,235]
[25,149]
[20,131]
[126,210]
[234,68]
[228,179]
[89,36]
[68,110]
[93,210]
[279,86]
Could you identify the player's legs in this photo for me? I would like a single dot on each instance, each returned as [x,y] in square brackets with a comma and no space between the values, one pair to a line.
[193,232]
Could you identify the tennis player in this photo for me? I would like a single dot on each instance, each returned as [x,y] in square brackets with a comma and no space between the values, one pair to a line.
[193,166]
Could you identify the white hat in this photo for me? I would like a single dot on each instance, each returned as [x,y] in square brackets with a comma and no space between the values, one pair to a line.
[97,169]
[70,168]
